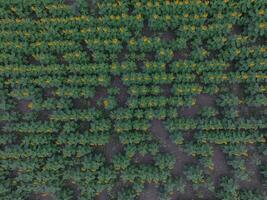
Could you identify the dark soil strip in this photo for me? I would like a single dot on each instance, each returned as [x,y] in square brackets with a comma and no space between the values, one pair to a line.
[100,92]
[123,95]
[159,131]
[220,166]
[112,148]
[150,193]
[102,196]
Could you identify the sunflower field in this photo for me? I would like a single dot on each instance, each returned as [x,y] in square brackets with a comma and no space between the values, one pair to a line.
[133,99]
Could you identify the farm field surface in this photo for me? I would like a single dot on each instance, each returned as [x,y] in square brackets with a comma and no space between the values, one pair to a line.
[133,100]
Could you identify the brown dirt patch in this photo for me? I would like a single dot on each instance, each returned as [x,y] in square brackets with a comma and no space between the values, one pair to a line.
[220,166]
[44,115]
[181,54]
[102,196]
[159,131]
[41,196]
[147,159]
[253,171]
[237,30]
[22,106]
[122,56]
[189,111]
[189,194]
[150,193]
[205,100]
[168,36]
[244,111]
[237,90]
[112,148]
[123,95]
[100,92]
[166,90]
[80,103]
[91,5]
[69,2]
[50,92]
[146,31]
[150,56]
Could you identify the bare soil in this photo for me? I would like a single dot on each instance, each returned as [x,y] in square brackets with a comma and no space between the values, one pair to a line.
[189,111]
[151,56]
[69,2]
[181,55]
[237,30]
[102,196]
[150,193]
[123,95]
[100,92]
[168,36]
[220,166]
[146,31]
[44,115]
[189,194]
[49,92]
[147,159]
[253,171]
[22,106]
[166,90]
[122,56]
[80,103]
[182,158]
[91,5]
[112,148]
[244,111]
[71,185]
[61,60]
[202,100]
[237,90]
[205,100]
[40,197]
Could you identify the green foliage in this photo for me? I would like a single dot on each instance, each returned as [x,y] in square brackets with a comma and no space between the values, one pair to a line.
[175,82]
[240,168]
[194,174]
[165,161]
[120,162]
[229,189]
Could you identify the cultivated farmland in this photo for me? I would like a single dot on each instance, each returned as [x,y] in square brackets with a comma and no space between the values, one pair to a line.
[133,99]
